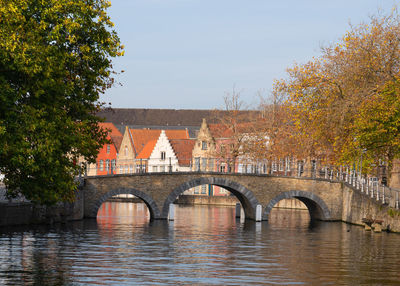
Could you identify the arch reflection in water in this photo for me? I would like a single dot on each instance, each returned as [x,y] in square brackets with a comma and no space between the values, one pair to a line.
[111,213]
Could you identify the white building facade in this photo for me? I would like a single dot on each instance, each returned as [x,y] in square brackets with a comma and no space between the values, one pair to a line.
[163,157]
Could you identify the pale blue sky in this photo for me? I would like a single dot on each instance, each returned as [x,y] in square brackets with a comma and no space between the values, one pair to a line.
[185,54]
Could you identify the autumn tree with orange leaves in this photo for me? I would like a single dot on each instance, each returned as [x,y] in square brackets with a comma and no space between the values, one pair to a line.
[343,103]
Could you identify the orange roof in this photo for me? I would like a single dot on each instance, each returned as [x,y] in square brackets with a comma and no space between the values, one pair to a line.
[183,150]
[141,137]
[112,130]
[146,151]
[113,133]
[117,140]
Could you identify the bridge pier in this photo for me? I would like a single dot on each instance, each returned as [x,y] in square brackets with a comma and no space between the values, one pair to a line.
[259,213]
[171,213]
[238,209]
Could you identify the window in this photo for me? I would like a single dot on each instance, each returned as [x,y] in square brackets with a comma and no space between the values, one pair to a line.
[121,169]
[288,164]
[210,164]
[126,169]
[107,165]
[299,168]
[249,169]
[113,165]
[203,189]
[126,150]
[130,168]
[204,145]
[155,169]
[162,155]
[313,166]
[101,166]
[274,166]
[108,148]
[222,169]
[203,164]
[280,165]
[196,190]
[197,163]
[162,168]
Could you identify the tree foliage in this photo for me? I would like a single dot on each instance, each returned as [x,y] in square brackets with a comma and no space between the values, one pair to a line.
[335,99]
[234,128]
[276,127]
[377,126]
[55,60]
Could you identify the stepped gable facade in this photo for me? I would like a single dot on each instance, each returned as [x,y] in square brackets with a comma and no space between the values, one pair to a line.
[162,157]
[140,137]
[144,142]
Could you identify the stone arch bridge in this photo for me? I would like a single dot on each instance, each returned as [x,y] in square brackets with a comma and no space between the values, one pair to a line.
[323,198]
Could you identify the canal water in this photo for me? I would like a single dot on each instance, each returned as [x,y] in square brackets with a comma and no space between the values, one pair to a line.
[205,245]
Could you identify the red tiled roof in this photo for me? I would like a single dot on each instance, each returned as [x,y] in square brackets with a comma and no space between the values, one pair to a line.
[142,136]
[147,149]
[112,130]
[177,134]
[117,140]
[183,150]
[113,133]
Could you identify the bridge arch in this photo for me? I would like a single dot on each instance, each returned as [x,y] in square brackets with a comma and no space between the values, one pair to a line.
[150,203]
[316,206]
[245,196]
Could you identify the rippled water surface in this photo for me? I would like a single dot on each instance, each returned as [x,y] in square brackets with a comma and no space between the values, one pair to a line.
[204,246]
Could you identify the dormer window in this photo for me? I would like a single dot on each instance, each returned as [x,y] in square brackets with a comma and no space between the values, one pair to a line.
[204,145]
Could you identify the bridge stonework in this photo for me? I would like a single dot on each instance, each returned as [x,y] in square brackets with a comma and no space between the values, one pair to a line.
[324,199]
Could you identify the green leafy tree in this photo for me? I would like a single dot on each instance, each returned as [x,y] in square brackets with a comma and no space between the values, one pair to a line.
[377,127]
[55,61]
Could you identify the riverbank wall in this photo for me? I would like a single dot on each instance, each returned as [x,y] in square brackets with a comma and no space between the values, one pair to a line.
[359,206]
[20,213]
